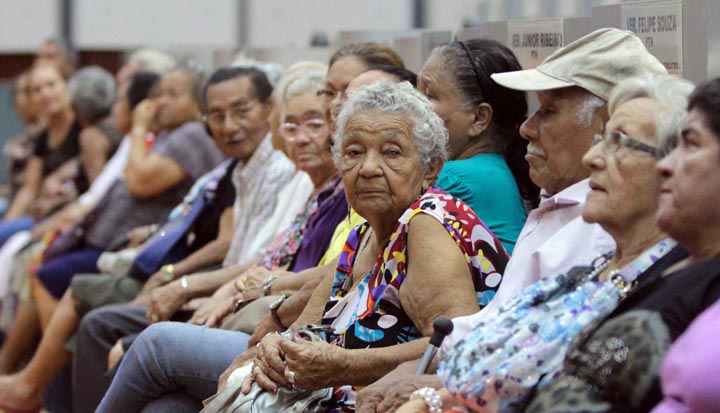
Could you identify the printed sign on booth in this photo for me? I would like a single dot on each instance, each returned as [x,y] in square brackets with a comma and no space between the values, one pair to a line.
[659,26]
[534,40]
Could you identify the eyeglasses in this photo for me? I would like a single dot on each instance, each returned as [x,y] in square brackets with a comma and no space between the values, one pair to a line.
[315,128]
[216,119]
[614,140]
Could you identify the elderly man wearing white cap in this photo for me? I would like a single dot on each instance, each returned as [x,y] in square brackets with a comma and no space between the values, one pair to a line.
[573,86]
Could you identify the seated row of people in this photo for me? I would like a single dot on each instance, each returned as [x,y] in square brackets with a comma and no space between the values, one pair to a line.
[354,206]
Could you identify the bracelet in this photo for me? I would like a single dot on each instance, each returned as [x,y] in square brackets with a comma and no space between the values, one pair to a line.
[185,287]
[267,284]
[431,398]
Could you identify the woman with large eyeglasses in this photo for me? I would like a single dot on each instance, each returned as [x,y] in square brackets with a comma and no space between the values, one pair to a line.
[497,366]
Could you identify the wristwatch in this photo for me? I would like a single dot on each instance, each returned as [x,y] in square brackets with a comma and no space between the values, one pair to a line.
[267,284]
[274,309]
[168,273]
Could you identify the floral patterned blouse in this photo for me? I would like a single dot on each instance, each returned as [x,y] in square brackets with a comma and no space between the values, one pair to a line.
[371,315]
[497,365]
[286,244]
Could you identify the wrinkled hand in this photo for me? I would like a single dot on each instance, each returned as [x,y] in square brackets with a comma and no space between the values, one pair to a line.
[268,366]
[384,396]
[252,279]
[266,326]
[115,354]
[165,301]
[153,282]
[413,406]
[145,113]
[239,361]
[315,365]
[213,313]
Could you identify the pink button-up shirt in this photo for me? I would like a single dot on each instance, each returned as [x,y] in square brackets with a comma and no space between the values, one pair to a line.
[554,239]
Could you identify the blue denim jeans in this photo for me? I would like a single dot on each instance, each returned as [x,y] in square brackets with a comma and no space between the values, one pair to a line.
[169,360]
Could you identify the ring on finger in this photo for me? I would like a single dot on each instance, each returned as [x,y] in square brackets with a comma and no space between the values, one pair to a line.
[155,318]
[291,377]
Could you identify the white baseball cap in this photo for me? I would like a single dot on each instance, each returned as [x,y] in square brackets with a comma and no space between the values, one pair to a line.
[596,62]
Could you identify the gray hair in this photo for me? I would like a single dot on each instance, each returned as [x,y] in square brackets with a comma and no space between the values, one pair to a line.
[273,71]
[671,90]
[589,106]
[93,92]
[428,130]
[68,52]
[291,73]
[305,81]
[153,60]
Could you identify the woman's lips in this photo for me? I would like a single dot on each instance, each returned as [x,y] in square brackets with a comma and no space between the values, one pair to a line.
[369,191]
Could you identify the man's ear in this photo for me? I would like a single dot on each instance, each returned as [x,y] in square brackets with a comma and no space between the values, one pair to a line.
[482,118]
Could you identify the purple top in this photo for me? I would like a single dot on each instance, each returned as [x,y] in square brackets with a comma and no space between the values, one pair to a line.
[332,208]
[690,379]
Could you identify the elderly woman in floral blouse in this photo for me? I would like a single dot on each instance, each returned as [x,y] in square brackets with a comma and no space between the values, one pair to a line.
[421,254]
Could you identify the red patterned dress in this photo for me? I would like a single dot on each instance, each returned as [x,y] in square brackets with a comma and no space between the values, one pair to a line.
[371,315]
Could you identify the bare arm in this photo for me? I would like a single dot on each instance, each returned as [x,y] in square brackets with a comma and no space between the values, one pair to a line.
[29,191]
[438,279]
[310,307]
[94,150]
[394,388]
[148,174]
[294,282]
[204,284]
[438,283]
[320,365]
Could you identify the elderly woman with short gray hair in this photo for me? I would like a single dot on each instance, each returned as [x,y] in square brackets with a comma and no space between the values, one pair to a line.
[93,92]
[384,295]
[421,254]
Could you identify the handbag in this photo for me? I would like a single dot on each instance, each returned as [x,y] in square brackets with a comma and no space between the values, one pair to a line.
[249,316]
[66,242]
[231,399]
[168,244]
[502,360]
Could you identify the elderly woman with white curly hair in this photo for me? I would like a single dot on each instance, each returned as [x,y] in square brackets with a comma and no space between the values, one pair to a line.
[421,254]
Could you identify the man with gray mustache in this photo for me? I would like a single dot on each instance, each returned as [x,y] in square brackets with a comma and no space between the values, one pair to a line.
[573,86]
